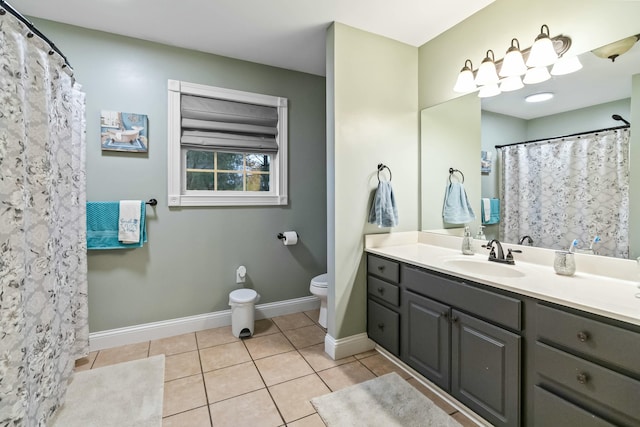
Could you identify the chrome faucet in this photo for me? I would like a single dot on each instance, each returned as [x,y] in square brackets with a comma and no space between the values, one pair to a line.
[528,239]
[500,256]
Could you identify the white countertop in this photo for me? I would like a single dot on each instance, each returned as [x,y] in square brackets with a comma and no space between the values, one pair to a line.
[608,296]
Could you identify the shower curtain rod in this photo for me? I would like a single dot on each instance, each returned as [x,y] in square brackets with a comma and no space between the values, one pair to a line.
[563,136]
[6,7]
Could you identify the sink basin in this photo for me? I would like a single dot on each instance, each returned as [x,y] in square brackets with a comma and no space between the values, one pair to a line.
[485,268]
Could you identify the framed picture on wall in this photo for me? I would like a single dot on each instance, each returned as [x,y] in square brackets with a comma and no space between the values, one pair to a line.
[124,132]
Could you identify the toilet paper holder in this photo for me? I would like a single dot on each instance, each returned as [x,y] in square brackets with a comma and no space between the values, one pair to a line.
[281,236]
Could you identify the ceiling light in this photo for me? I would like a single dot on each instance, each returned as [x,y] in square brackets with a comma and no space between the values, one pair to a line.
[465,82]
[488,91]
[542,52]
[536,75]
[615,49]
[539,97]
[566,65]
[513,64]
[511,83]
[487,73]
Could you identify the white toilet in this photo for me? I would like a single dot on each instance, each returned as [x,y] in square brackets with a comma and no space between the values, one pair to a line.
[318,288]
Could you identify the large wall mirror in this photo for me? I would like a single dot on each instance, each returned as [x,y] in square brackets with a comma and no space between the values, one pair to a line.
[583,102]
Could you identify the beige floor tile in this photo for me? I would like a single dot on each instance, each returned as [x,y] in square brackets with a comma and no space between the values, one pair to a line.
[264,327]
[292,321]
[216,336]
[439,402]
[224,355]
[183,394]
[305,336]
[232,381]
[283,367]
[181,365]
[268,345]
[320,360]
[292,397]
[380,365]
[121,354]
[174,345]
[310,421]
[345,375]
[462,419]
[252,409]
[365,354]
[313,314]
[85,363]
[194,418]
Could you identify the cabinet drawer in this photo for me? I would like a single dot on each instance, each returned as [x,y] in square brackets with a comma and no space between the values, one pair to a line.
[489,305]
[611,344]
[387,269]
[603,385]
[550,410]
[383,326]
[383,290]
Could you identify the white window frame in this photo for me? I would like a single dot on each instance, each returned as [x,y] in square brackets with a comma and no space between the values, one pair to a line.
[179,196]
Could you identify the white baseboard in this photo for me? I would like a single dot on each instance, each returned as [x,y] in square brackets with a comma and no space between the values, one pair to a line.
[168,328]
[344,347]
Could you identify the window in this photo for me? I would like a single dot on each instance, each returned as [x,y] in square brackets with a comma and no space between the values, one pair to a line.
[226,147]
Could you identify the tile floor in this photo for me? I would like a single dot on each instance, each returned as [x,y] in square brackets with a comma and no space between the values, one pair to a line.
[213,378]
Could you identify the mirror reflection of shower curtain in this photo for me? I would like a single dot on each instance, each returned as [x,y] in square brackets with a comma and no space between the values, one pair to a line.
[43,263]
[568,188]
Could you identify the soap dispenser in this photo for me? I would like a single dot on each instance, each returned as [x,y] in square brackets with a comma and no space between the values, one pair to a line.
[467,242]
[480,235]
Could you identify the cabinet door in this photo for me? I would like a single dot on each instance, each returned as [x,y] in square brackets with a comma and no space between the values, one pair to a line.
[485,371]
[426,337]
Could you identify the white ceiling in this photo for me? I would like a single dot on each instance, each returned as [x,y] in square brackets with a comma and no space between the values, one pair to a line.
[283,33]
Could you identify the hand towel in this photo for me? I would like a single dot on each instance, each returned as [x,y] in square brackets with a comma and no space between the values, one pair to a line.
[486,209]
[383,211]
[129,221]
[492,214]
[457,209]
[102,226]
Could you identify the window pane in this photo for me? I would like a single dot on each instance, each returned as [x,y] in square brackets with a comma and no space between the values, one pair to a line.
[258,162]
[229,181]
[258,182]
[200,181]
[230,161]
[199,159]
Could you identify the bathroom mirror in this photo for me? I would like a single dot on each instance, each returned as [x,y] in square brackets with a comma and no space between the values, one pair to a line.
[602,88]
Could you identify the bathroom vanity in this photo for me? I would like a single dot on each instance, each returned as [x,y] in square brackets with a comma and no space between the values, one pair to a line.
[518,345]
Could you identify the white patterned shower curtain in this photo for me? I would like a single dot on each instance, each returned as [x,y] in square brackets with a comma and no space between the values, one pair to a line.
[568,188]
[43,268]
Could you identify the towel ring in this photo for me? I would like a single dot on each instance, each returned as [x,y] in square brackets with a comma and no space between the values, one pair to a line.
[452,170]
[380,168]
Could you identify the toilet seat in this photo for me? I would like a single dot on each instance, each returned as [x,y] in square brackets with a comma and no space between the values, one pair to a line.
[319,281]
[243,296]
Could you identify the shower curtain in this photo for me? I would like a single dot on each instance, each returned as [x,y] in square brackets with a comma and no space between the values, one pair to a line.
[43,268]
[568,188]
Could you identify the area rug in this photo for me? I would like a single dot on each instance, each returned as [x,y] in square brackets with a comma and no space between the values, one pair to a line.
[124,395]
[385,401]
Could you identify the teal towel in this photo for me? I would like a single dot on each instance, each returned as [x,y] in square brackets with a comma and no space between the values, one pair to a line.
[102,226]
[457,209]
[383,211]
[494,216]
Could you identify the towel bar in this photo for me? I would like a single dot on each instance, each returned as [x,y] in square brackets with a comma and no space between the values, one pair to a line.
[152,202]
[382,166]
[451,172]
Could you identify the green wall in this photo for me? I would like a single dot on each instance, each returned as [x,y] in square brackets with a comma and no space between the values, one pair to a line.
[188,266]
[372,110]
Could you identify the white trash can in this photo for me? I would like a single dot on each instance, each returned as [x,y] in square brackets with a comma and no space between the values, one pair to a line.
[242,302]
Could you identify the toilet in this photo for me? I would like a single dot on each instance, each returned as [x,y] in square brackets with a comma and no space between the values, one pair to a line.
[318,288]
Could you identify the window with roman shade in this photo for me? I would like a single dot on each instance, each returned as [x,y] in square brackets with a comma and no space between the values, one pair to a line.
[226,147]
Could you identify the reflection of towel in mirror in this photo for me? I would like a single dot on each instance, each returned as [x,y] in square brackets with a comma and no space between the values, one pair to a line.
[490,211]
[383,211]
[457,209]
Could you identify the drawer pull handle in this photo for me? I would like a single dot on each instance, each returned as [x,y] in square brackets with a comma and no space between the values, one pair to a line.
[583,336]
[381,326]
[381,268]
[445,314]
[582,377]
[381,290]
[454,319]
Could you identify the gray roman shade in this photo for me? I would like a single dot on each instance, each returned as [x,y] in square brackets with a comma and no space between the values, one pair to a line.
[221,125]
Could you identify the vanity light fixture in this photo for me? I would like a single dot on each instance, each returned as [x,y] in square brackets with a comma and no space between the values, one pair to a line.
[510,84]
[488,91]
[566,65]
[542,52]
[466,82]
[487,74]
[513,63]
[539,97]
[536,75]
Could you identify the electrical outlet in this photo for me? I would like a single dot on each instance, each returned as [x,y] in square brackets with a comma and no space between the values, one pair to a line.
[241,274]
